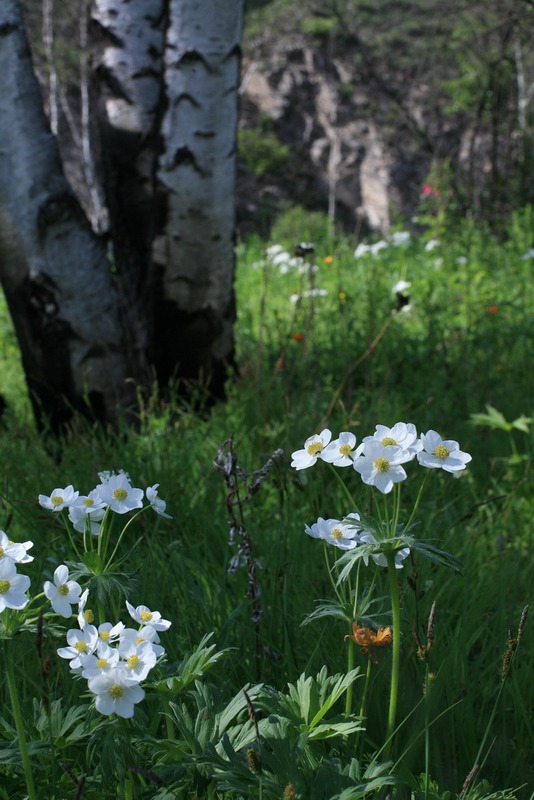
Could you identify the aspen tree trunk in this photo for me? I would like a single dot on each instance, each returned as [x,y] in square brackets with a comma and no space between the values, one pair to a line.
[54,270]
[98,316]
[196,172]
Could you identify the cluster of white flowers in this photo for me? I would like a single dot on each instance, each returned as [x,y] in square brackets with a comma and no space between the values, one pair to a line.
[113,659]
[13,587]
[398,239]
[379,460]
[115,493]
[278,257]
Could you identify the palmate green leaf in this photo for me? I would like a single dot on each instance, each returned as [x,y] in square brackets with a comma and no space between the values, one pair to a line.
[491,419]
[337,686]
[338,726]
[434,554]
[202,659]
[328,609]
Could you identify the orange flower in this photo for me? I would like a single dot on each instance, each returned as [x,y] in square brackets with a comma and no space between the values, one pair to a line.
[298,337]
[368,639]
[328,259]
[493,309]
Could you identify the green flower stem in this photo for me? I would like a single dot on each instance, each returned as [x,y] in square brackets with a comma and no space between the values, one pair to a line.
[119,540]
[420,494]
[395,658]
[350,666]
[19,725]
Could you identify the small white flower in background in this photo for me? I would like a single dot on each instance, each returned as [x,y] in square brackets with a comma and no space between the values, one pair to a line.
[431,245]
[529,254]
[335,532]
[156,502]
[116,692]
[106,475]
[80,644]
[119,495]
[62,593]
[308,293]
[402,434]
[438,453]
[59,499]
[400,237]
[362,249]
[381,466]
[144,634]
[144,616]
[401,287]
[461,260]
[339,451]
[13,587]
[8,549]
[102,660]
[438,262]
[313,447]
[139,658]
[379,558]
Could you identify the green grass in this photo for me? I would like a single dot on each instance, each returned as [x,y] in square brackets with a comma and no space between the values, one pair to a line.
[340,359]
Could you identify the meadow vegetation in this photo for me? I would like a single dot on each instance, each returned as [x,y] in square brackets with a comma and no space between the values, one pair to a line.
[259,693]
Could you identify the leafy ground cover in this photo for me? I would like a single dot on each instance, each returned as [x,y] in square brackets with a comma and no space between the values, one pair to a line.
[260,693]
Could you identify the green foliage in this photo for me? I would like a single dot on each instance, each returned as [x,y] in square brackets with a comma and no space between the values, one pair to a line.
[262,152]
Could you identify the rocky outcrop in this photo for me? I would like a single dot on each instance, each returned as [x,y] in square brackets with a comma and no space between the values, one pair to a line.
[346,162]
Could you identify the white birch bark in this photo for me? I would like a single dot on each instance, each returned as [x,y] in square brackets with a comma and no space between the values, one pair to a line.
[54,269]
[195,247]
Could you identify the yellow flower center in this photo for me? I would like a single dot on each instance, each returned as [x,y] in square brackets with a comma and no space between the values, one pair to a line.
[146,616]
[116,691]
[81,647]
[442,452]
[132,661]
[139,641]
[2,551]
[337,533]
[120,494]
[63,589]
[101,663]
[104,635]
[89,616]
[88,502]
[382,464]
[57,500]
[4,586]
[387,440]
[345,449]
[315,448]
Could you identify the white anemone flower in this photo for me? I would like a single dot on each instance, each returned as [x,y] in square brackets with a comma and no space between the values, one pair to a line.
[381,466]
[402,434]
[339,451]
[144,616]
[80,644]
[62,593]
[99,662]
[380,558]
[313,448]
[59,499]
[13,587]
[335,532]
[119,494]
[400,287]
[109,633]
[156,502]
[116,692]
[144,634]
[85,617]
[138,658]
[438,453]
[8,549]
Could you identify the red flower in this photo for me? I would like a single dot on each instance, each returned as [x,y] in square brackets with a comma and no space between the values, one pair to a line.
[367,639]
